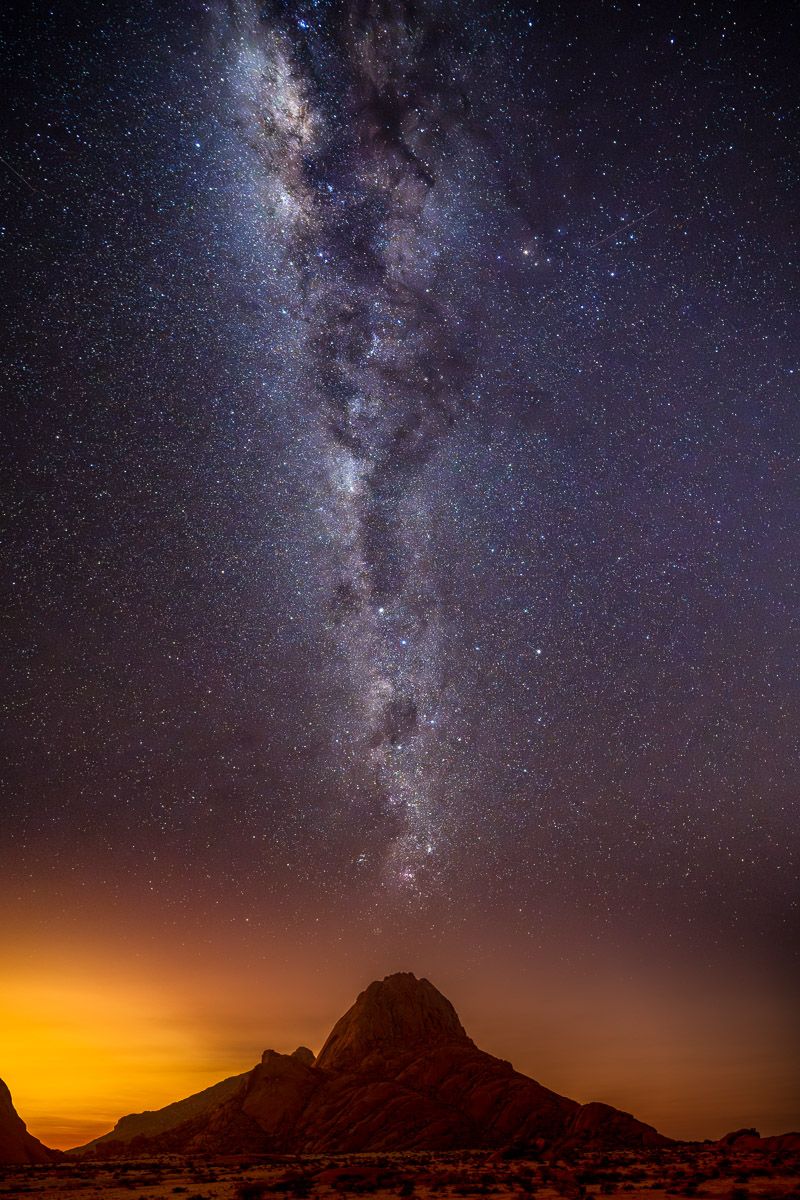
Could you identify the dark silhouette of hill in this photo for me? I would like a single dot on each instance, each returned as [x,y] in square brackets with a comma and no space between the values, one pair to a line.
[398,1071]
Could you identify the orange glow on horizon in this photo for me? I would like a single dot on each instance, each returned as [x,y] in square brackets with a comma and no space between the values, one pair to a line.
[78,1054]
[93,1030]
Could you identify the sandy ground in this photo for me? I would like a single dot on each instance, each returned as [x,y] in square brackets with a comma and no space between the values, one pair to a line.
[678,1172]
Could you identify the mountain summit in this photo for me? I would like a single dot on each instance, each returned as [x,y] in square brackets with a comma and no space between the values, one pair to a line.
[390,1015]
[397,1072]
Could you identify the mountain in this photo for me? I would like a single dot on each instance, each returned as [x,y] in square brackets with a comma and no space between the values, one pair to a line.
[397,1072]
[16,1144]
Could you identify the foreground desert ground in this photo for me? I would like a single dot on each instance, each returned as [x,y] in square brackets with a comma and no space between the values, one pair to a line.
[701,1171]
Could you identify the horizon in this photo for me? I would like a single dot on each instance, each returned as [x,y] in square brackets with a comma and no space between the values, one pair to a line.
[402,558]
[169,1077]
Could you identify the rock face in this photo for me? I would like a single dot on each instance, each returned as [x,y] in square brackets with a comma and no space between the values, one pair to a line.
[17,1146]
[397,1072]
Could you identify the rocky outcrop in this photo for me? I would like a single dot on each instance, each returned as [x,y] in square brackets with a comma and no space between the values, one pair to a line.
[17,1146]
[397,1072]
[750,1140]
[279,1092]
[601,1125]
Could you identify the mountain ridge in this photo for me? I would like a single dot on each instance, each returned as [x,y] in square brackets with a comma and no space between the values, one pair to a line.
[398,1071]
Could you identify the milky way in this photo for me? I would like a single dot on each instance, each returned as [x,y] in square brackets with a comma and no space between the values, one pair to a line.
[347,115]
[400,561]
[404,496]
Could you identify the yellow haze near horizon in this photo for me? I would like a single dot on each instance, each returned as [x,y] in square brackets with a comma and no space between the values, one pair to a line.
[64,1042]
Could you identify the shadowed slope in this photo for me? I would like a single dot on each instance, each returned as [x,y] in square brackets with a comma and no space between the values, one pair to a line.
[155,1121]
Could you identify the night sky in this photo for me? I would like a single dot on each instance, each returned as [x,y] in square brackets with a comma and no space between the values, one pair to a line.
[401,557]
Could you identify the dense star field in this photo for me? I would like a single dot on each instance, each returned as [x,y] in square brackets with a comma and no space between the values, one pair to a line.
[401,548]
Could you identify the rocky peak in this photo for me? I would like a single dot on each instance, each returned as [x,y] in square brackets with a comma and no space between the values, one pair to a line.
[389,1016]
[304,1055]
